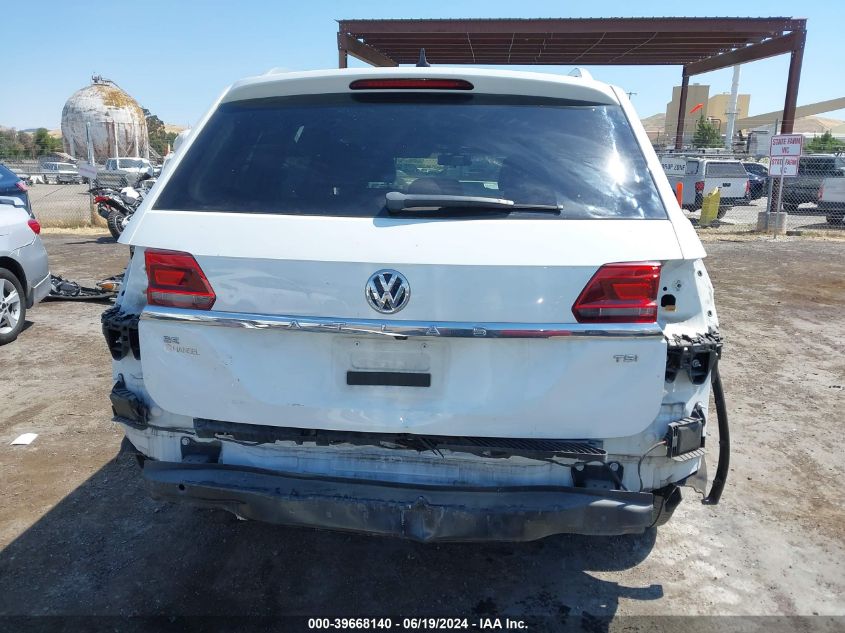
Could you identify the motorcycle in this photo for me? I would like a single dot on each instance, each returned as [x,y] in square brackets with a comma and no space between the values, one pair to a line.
[117,207]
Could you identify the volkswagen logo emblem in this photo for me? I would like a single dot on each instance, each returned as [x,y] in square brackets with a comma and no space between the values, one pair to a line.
[387,291]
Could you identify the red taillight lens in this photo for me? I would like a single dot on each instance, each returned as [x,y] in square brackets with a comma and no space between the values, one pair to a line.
[175,279]
[747,187]
[821,192]
[699,186]
[410,84]
[620,293]
[20,184]
[98,199]
[34,225]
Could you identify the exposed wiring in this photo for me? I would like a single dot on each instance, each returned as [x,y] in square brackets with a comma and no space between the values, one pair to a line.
[642,457]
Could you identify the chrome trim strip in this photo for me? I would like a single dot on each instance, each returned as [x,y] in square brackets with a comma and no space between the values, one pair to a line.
[400,329]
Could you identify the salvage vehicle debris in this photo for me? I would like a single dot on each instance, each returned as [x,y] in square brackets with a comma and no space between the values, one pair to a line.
[65,290]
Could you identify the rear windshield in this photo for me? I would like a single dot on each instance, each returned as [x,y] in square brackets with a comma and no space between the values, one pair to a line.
[821,165]
[340,154]
[726,170]
[130,163]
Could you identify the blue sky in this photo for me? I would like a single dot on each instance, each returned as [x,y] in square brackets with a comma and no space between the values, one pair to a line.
[176,56]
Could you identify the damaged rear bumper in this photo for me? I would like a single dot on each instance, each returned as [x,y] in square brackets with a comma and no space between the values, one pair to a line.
[416,512]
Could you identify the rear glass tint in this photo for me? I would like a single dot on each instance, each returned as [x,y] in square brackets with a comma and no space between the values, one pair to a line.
[340,154]
[820,166]
[726,170]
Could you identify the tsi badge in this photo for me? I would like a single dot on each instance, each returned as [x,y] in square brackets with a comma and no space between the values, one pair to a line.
[387,291]
[625,358]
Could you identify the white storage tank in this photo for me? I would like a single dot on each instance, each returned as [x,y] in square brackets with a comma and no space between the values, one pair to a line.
[118,127]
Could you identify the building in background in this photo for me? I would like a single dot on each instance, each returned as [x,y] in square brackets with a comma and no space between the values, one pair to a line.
[114,120]
[713,108]
[696,93]
[717,109]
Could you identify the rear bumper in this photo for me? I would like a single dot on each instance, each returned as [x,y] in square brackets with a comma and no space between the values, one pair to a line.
[420,513]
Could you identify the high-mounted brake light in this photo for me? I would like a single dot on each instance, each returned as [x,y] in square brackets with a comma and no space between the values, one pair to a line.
[176,280]
[34,225]
[620,293]
[699,186]
[410,84]
[20,184]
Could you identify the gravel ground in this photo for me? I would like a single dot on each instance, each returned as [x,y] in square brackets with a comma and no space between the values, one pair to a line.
[79,535]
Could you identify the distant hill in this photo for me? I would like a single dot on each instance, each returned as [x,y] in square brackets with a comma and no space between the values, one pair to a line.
[804,125]
[654,122]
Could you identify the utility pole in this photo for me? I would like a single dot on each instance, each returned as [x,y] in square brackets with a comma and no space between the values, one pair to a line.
[732,110]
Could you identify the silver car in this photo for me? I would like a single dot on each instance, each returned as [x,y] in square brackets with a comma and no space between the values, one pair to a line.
[24,271]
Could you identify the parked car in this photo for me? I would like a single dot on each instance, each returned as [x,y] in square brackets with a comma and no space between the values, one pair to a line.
[758,180]
[517,340]
[813,169]
[123,172]
[24,270]
[832,200]
[131,167]
[702,175]
[60,173]
[11,184]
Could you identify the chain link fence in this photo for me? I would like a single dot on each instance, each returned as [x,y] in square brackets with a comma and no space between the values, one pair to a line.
[814,199]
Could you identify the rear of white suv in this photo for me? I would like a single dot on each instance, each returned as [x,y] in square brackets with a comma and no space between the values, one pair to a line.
[438,304]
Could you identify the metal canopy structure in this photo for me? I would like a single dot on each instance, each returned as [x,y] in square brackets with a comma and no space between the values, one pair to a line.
[700,45]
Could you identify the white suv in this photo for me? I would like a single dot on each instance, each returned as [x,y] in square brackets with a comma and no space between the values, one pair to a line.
[443,304]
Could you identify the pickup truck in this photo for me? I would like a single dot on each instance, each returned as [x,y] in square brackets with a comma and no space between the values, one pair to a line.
[812,170]
[832,200]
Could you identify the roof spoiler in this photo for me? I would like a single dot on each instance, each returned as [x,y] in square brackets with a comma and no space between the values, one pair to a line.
[582,73]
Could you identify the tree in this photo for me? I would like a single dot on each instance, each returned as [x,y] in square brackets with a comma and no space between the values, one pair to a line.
[706,134]
[44,143]
[825,143]
[159,137]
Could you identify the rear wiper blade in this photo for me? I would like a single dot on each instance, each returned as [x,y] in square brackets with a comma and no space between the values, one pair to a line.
[397,201]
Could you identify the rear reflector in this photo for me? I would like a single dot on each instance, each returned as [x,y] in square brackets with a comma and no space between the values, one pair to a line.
[34,225]
[620,293]
[176,280]
[410,84]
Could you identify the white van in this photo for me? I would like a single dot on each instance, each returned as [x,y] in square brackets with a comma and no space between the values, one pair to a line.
[442,304]
[701,175]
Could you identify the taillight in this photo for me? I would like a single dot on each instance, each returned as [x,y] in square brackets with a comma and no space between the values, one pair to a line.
[34,225]
[699,186]
[410,84]
[20,184]
[821,192]
[747,187]
[620,293]
[98,199]
[175,279]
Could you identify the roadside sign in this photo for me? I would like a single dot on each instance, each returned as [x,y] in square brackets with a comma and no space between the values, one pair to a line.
[786,145]
[87,170]
[784,166]
[673,166]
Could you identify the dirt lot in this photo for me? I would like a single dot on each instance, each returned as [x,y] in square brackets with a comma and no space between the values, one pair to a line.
[79,536]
